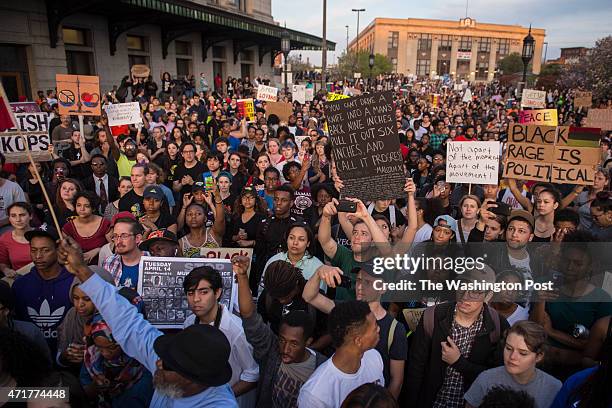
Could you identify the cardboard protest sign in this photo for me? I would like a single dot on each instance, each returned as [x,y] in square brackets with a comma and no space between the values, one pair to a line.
[160,282]
[123,113]
[583,99]
[600,118]
[227,253]
[546,117]
[78,94]
[564,155]
[335,96]
[281,109]
[267,93]
[366,147]
[246,109]
[532,98]
[299,93]
[309,94]
[472,162]
[35,127]
[140,71]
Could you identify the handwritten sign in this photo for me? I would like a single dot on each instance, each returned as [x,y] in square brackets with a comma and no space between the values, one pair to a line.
[564,155]
[472,162]
[309,94]
[78,94]
[335,96]
[547,117]
[35,127]
[123,113]
[299,93]
[246,109]
[160,282]
[600,118]
[227,253]
[366,147]
[532,98]
[583,99]
[267,93]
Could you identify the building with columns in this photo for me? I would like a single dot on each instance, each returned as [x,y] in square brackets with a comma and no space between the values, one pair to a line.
[42,38]
[464,49]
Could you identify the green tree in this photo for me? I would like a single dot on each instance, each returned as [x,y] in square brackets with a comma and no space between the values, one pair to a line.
[350,63]
[511,64]
[599,69]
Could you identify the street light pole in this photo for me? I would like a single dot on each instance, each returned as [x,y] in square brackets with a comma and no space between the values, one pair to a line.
[324,47]
[527,54]
[358,11]
[347,38]
[285,48]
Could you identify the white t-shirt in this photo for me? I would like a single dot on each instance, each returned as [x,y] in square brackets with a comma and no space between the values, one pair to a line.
[423,234]
[521,313]
[522,265]
[328,386]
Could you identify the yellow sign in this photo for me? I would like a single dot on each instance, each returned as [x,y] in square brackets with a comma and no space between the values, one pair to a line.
[335,96]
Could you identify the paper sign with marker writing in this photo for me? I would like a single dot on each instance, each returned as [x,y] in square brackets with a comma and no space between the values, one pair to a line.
[267,93]
[532,98]
[123,113]
[335,96]
[472,162]
[78,94]
[299,93]
[546,117]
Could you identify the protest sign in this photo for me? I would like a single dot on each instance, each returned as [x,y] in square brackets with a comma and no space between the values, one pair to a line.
[35,127]
[140,71]
[299,93]
[583,99]
[160,282]
[78,94]
[547,117]
[532,98]
[467,96]
[564,155]
[227,253]
[366,148]
[600,118]
[123,113]
[335,96]
[472,162]
[435,99]
[246,109]
[267,93]
[281,109]
[309,94]
[24,107]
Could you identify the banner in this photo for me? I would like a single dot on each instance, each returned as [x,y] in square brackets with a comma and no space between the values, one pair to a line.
[299,93]
[464,55]
[366,147]
[246,109]
[435,99]
[583,99]
[78,94]
[35,127]
[25,107]
[160,282]
[227,253]
[546,117]
[309,94]
[335,96]
[600,118]
[267,93]
[472,162]
[281,109]
[123,113]
[532,98]
[564,155]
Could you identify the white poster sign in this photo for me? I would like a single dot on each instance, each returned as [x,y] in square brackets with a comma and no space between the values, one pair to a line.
[309,94]
[267,93]
[472,162]
[299,93]
[533,98]
[123,113]
[467,96]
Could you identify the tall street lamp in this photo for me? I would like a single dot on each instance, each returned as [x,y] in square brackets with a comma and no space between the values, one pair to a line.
[527,54]
[358,11]
[371,64]
[285,48]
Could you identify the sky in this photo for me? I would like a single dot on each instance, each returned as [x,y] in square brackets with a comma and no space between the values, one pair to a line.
[568,23]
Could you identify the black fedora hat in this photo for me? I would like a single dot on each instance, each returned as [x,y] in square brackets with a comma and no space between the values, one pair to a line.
[199,353]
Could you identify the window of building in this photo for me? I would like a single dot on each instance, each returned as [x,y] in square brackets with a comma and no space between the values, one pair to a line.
[246,55]
[465,43]
[76,36]
[137,43]
[482,70]
[393,40]
[394,63]
[424,42]
[246,70]
[138,60]
[80,63]
[446,43]
[484,45]
[443,67]
[182,47]
[423,66]
[218,52]
[504,46]
[183,67]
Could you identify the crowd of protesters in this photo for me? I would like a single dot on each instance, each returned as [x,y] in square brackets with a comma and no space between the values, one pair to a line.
[310,327]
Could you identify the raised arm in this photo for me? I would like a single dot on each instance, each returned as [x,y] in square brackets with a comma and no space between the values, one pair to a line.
[412,228]
[325,238]
[218,227]
[311,293]
[519,195]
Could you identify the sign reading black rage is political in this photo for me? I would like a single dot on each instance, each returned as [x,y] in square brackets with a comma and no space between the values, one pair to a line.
[366,147]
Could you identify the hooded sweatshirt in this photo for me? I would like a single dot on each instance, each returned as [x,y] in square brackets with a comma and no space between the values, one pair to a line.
[43,302]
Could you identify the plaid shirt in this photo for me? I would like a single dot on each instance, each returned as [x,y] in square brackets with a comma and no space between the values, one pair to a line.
[451,393]
[114,266]
[435,140]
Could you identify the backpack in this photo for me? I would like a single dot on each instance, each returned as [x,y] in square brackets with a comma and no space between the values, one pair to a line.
[391,334]
[428,323]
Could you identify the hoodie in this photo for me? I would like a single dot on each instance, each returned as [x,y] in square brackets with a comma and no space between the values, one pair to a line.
[43,302]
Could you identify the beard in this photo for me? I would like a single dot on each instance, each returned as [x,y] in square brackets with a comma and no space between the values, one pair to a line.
[170,390]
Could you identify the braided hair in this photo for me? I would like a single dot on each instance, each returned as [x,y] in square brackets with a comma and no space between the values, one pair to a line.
[281,278]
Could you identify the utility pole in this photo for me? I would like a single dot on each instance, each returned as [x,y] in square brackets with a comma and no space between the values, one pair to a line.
[358,11]
[347,38]
[324,46]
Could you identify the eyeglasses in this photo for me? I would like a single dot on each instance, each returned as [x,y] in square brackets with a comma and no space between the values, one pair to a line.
[188,151]
[122,237]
